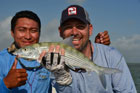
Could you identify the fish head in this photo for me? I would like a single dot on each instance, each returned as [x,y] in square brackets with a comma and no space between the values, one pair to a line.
[27,52]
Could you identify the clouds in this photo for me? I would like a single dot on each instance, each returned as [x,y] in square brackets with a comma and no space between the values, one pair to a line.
[129,46]
[50,31]
[5,23]
[128,43]
[5,38]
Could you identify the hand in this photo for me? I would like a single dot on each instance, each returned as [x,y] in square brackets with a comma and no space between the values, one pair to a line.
[54,61]
[15,77]
[103,38]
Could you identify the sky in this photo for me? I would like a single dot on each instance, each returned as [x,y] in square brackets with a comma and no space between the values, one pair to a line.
[120,17]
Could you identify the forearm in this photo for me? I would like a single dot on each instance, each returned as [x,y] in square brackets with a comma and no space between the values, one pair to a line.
[62,88]
[62,76]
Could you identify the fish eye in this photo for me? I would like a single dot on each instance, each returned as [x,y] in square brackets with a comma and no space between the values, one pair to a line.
[25,49]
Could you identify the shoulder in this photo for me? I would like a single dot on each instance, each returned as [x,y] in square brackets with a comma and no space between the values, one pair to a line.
[5,56]
[107,49]
[110,54]
[4,53]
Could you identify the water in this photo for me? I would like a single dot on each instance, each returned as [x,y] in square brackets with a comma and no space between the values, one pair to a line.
[135,71]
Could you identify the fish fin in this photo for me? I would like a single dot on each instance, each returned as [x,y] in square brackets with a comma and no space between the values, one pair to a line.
[102,79]
[68,41]
[77,68]
[88,70]
[71,67]
[68,65]
[38,61]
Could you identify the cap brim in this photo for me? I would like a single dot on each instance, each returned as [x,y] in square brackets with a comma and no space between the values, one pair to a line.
[74,17]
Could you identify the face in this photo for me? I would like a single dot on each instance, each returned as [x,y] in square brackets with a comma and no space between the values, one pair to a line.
[26,32]
[79,30]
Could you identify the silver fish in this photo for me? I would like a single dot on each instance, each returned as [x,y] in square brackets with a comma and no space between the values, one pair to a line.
[73,58]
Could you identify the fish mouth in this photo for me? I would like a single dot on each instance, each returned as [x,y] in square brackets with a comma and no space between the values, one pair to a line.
[14,53]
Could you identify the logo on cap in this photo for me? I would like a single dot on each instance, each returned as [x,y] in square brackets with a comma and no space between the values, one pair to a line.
[72,11]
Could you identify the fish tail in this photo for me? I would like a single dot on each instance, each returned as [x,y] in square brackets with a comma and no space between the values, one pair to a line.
[106,70]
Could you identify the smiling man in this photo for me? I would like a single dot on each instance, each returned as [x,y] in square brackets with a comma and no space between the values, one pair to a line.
[26,32]
[24,76]
[75,22]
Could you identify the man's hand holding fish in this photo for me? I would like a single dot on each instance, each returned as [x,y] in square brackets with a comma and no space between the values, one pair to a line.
[54,61]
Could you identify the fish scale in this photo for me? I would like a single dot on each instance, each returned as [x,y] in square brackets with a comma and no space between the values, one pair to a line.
[73,58]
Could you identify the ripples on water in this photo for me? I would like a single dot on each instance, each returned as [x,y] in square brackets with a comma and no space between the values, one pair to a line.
[135,71]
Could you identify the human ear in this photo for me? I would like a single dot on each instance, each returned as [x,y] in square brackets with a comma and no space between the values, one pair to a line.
[90,29]
[12,33]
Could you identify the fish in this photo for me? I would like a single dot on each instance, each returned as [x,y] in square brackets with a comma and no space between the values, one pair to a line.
[74,59]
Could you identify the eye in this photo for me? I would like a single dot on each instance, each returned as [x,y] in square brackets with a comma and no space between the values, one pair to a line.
[34,30]
[66,27]
[21,29]
[81,26]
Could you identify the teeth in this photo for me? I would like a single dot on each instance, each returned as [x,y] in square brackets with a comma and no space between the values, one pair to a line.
[75,39]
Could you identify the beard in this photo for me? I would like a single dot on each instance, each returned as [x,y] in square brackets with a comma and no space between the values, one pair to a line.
[84,46]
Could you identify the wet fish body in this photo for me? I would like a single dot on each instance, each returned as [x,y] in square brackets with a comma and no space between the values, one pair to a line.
[73,58]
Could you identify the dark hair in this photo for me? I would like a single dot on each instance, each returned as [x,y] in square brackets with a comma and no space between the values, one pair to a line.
[25,14]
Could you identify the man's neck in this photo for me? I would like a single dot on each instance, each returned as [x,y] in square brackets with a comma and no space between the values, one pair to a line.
[88,50]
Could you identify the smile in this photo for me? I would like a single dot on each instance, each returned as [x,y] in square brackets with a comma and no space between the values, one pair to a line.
[75,40]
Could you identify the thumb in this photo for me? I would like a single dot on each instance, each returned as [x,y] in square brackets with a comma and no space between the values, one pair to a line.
[15,63]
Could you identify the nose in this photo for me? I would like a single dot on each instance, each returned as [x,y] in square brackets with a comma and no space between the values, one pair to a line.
[28,35]
[74,30]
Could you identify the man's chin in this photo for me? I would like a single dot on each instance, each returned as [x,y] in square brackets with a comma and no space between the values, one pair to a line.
[28,44]
[77,47]
[24,45]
